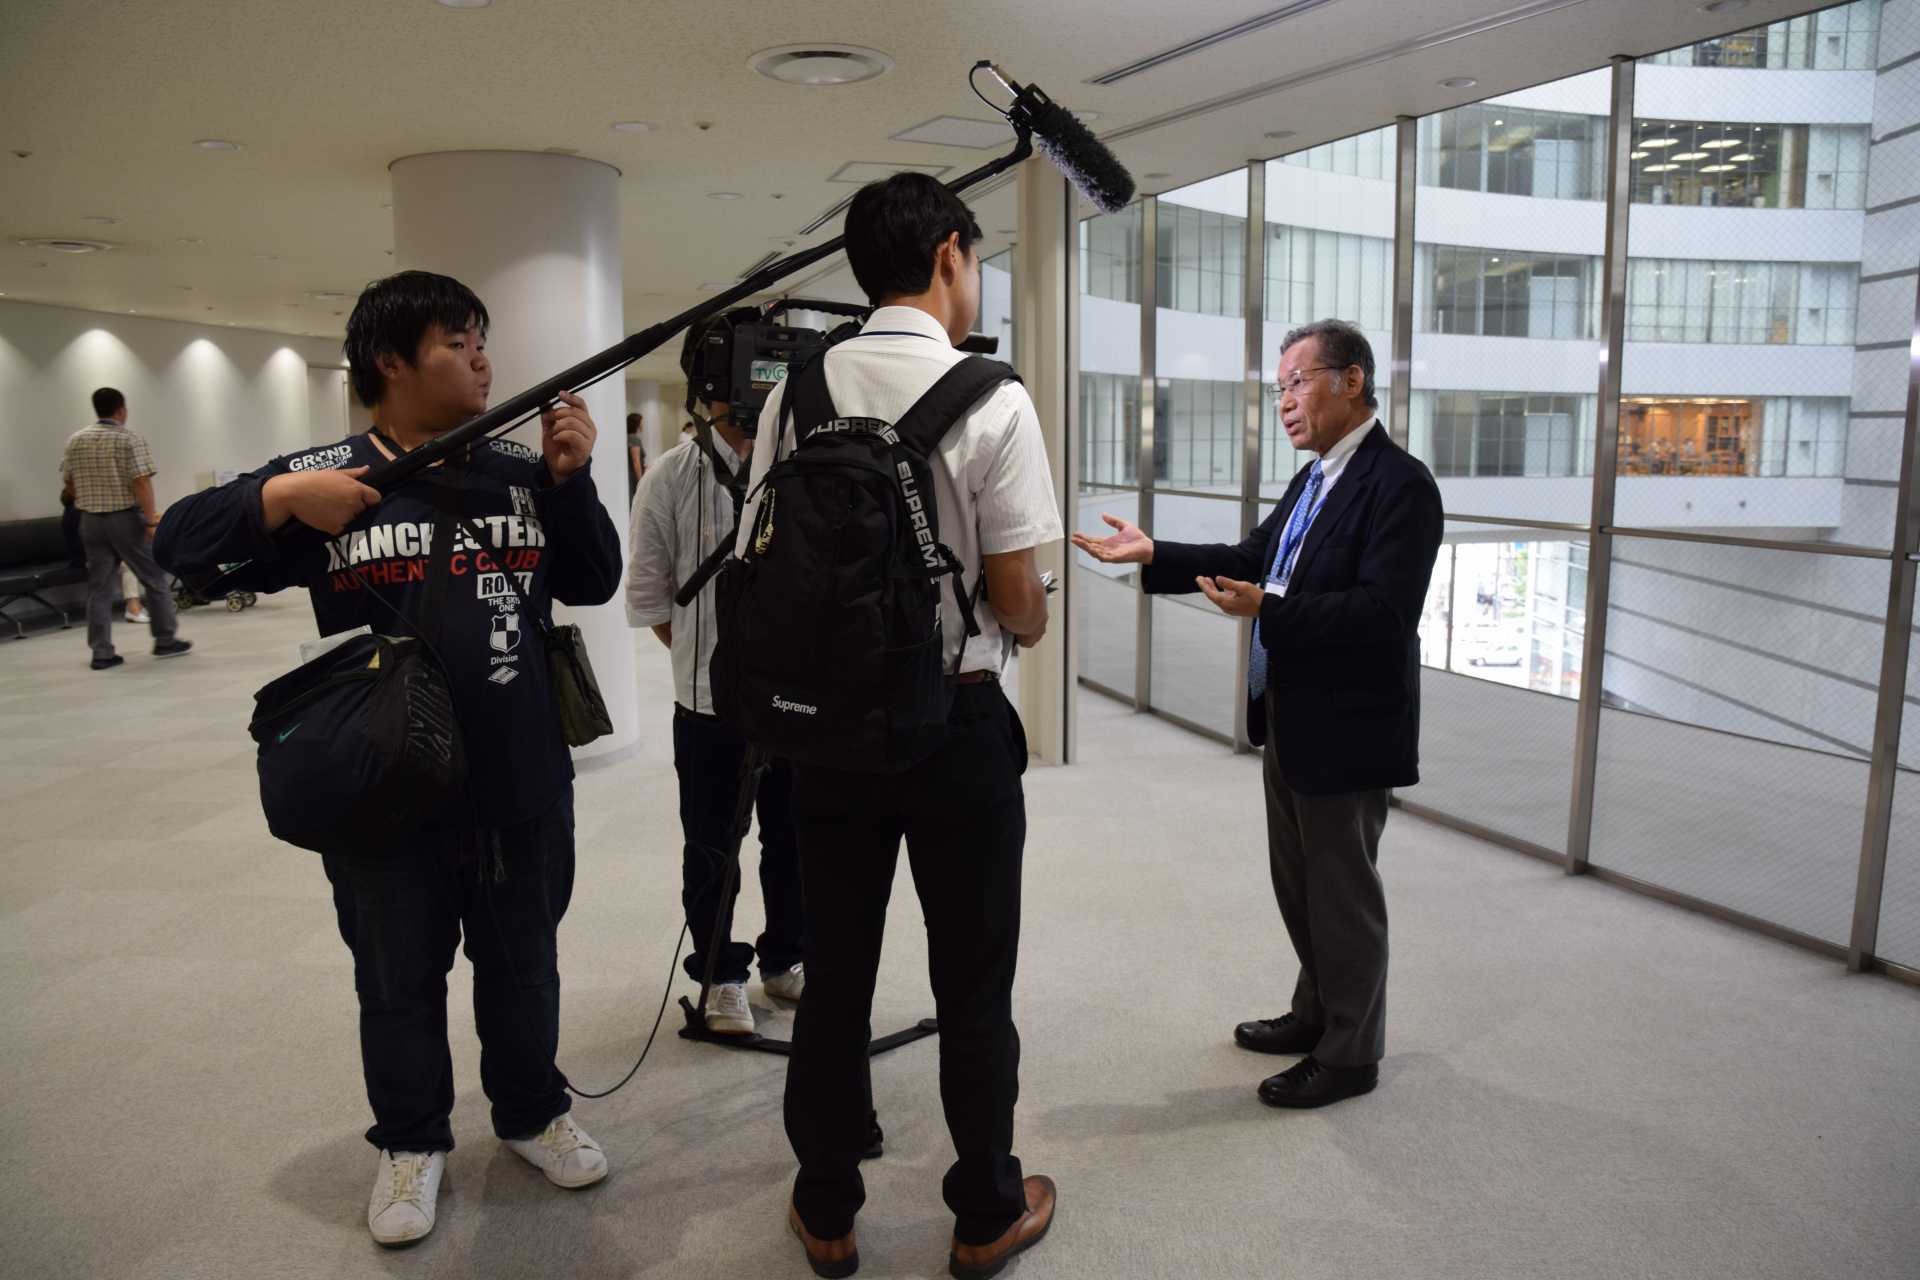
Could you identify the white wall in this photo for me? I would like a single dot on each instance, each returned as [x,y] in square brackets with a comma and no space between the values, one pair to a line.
[206,398]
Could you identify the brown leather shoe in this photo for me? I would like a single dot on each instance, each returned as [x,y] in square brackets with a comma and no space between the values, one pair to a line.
[979,1261]
[830,1258]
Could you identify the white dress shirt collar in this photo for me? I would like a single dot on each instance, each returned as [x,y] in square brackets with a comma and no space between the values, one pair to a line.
[905,320]
[1334,460]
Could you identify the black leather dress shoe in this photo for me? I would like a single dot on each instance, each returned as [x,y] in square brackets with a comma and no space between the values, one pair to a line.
[1284,1034]
[1312,1083]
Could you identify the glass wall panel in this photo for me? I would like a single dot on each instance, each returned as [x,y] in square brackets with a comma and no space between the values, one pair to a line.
[1509,228]
[996,302]
[1899,938]
[1329,256]
[1740,689]
[1202,335]
[1769,295]
[1195,646]
[1109,455]
[1505,607]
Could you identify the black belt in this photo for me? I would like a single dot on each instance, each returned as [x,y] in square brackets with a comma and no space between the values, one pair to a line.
[974,677]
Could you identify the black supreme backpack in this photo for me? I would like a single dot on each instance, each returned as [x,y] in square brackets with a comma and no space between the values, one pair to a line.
[829,649]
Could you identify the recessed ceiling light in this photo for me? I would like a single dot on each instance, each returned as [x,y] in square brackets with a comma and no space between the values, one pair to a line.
[725,195]
[1719,143]
[1691,155]
[1458,82]
[1659,168]
[1639,155]
[1742,156]
[100,220]
[216,144]
[1281,133]
[1654,144]
[632,126]
[959,131]
[1493,259]
[64,245]
[820,65]
[1498,123]
[1717,168]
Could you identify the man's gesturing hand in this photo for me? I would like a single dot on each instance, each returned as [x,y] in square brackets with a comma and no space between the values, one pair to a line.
[325,500]
[1235,599]
[1127,545]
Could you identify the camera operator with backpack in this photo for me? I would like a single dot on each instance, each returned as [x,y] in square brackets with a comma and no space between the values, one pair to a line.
[461,563]
[898,492]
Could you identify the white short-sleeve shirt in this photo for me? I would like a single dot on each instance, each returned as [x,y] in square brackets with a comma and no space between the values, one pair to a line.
[990,474]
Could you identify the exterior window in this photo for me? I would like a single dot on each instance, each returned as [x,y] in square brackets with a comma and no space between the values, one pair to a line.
[1750,166]
[1514,151]
[1510,293]
[1110,255]
[1733,436]
[1692,300]
[1838,39]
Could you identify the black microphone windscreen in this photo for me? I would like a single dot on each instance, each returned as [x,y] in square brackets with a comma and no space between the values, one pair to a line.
[1071,147]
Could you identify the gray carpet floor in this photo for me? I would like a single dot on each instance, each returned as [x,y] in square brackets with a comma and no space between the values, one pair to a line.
[1581,1082]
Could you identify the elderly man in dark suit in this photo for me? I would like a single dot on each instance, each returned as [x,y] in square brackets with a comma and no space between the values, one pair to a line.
[1335,580]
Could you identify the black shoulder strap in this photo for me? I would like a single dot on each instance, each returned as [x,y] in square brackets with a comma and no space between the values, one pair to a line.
[923,426]
[807,400]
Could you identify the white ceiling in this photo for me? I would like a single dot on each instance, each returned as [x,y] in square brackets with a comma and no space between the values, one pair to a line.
[109,97]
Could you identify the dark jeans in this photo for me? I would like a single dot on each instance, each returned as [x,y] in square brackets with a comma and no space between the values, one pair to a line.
[707,754]
[402,912]
[964,818]
[110,539]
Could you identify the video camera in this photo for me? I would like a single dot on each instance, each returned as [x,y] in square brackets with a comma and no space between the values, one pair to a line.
[741,355]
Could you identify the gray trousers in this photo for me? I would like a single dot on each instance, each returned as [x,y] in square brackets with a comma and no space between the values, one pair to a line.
[111,539]
[1323,852]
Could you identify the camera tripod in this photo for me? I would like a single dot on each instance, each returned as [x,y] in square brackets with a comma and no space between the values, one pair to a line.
[751,771]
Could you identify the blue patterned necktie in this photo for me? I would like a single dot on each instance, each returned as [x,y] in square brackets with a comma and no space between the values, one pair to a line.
[1303,513]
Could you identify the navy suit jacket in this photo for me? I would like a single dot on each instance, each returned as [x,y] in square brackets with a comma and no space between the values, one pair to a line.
[1343,649]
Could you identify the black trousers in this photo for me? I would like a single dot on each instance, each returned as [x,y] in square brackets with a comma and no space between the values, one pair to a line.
[707,754]
[1323,852]
[402,912]
[963,815]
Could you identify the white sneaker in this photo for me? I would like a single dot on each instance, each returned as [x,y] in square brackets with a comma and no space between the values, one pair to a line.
[405,1187]
[563,1152]
[787,984]
[728,1013]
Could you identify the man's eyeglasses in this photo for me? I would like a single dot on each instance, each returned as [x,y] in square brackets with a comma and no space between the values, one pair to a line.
[1296,378]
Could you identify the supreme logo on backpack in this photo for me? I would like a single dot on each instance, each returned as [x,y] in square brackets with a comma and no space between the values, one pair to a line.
[829,649]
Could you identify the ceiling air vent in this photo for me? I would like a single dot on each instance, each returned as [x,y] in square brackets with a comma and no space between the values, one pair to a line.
[820,64]
[61,244]
[1259,22]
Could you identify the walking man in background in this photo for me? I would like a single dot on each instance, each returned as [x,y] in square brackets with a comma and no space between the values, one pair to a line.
[109,472]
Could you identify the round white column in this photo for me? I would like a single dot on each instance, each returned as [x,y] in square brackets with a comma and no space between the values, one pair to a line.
[537,236]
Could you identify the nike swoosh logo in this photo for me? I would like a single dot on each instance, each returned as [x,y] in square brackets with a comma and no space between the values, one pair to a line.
[289,733]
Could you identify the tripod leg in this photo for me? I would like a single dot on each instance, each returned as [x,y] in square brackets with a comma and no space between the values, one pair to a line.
[751,768]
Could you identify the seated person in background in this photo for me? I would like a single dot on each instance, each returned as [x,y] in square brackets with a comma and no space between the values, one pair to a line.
[502,870]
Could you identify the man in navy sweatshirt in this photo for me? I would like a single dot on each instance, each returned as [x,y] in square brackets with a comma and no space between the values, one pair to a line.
[499,871]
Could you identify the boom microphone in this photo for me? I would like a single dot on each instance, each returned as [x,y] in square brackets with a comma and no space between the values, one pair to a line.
[1069,145]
